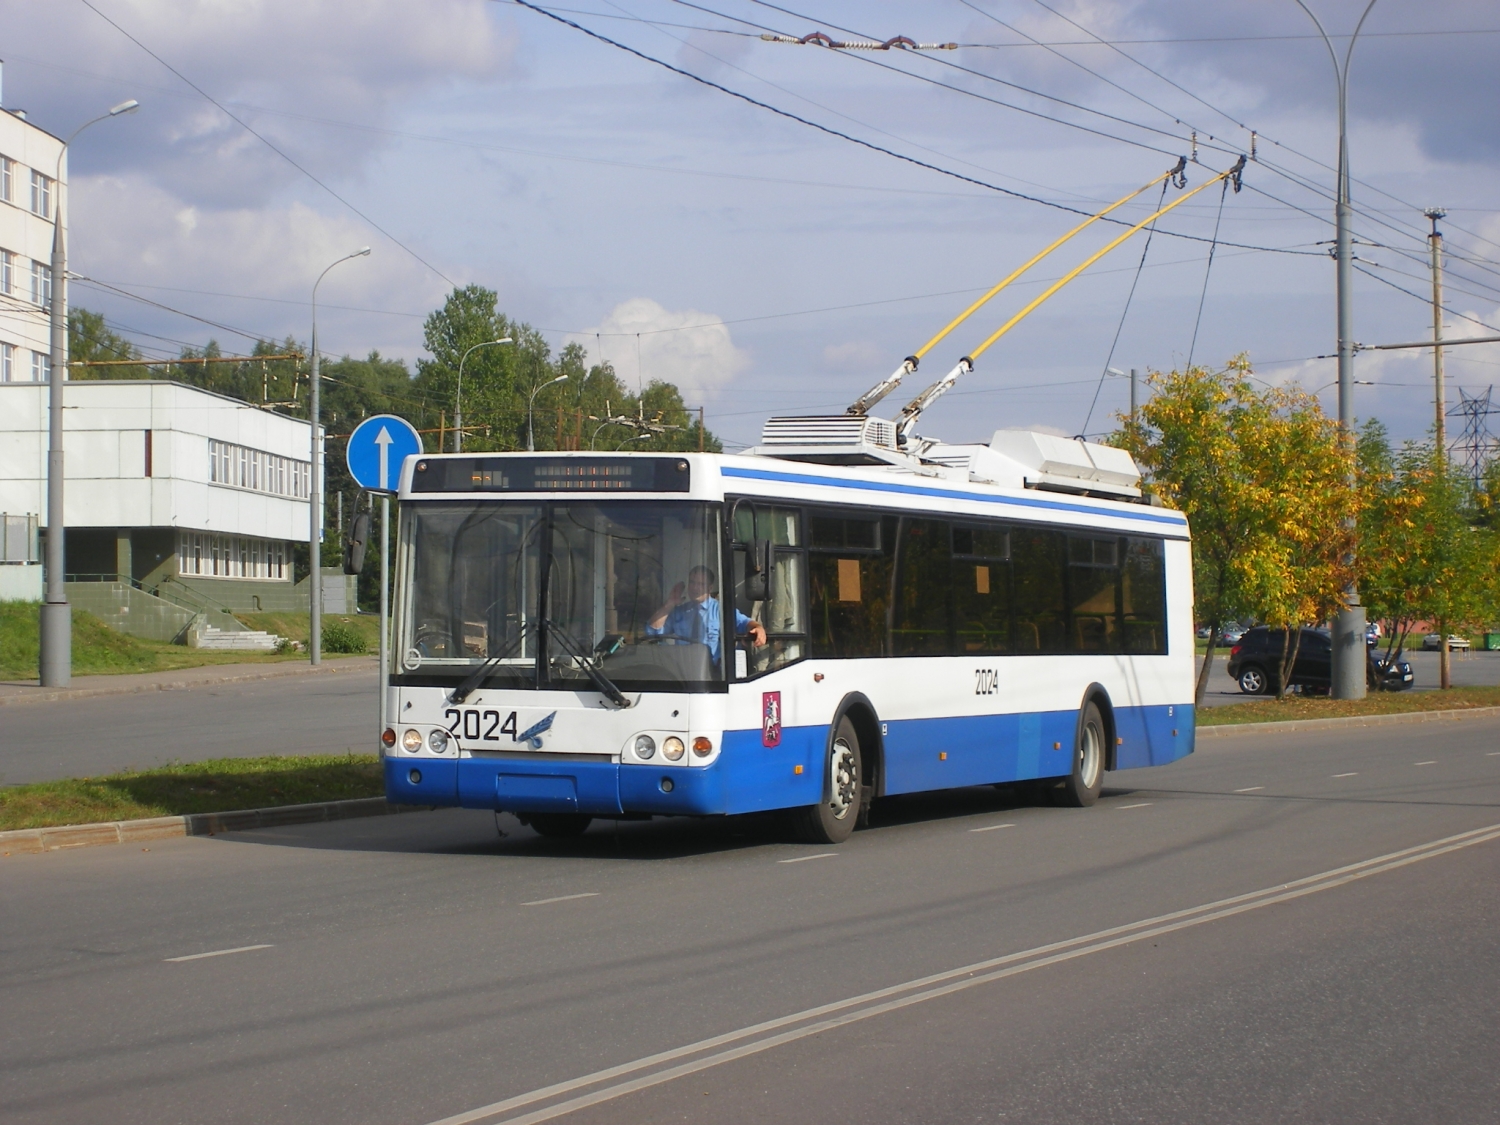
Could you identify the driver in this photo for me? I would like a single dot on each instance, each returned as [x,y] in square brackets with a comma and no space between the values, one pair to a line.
[691,613]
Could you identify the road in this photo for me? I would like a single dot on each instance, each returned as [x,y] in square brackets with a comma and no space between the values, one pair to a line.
[331,713]
[314,715]
[1216,940]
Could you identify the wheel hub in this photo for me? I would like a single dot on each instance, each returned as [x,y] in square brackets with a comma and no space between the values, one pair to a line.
[843,769]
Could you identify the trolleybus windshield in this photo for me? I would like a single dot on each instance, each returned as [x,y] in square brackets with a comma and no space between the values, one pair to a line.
[534,589]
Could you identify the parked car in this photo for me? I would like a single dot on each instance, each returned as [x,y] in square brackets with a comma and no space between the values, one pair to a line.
[1231,634]
[1203,632]
[1432,642]
[1255,663]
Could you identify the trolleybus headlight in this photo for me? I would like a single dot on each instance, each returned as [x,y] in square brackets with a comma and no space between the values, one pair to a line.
[412,740]
[388,737]
[645,746]
[437,740]
[702,746]
[672,748]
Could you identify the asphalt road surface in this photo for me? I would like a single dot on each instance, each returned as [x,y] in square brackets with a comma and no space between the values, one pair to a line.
[1274,929]
[331,713]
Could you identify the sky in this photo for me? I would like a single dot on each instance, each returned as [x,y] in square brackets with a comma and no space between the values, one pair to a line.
[766,264]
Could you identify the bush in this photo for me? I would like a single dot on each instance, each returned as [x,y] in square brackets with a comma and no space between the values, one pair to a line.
[338,637]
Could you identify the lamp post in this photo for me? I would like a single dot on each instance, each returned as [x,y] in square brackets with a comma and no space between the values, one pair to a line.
[1349,658]
[314,493]
[56,629]
[531,402]
[458,393]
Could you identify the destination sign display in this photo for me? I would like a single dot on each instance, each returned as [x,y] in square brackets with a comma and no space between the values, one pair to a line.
[551,474]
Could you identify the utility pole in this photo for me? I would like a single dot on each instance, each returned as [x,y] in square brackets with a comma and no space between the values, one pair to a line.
[1132,397]
[1350,659]
[1440,396]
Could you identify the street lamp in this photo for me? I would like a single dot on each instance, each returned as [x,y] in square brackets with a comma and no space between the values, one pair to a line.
[1349,623]
[314,494]
[56,630]
[530,444]
[458,409]
[627,441]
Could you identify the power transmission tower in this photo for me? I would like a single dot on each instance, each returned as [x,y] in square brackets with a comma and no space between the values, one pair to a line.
[1475,445]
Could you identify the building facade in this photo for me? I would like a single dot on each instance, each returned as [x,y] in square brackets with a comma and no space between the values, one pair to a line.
[28,198]
[166,483]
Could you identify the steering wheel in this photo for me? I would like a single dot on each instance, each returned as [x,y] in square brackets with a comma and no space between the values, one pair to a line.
[658,638]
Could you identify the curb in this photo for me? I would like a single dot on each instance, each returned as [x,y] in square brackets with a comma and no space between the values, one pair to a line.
[26,841]
[1229,730]
[272,672]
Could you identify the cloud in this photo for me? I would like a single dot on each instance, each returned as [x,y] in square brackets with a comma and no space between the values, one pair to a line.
[856,355]
[644,341]
[279,64]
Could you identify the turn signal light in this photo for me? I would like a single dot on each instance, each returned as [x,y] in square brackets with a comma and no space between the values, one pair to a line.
[703,747]
[388,737]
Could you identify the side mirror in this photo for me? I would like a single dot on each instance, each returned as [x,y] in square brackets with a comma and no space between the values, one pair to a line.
[758,571]
[354,544]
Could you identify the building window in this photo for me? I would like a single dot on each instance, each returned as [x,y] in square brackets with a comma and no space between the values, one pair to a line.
[41,367]
[41,195]
[205,555]
[7,363]
[241,467]
[7,179]
[18,539]
[7,272]
[41,284]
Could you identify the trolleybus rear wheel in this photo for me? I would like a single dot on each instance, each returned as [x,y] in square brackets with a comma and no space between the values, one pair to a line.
[1081,787]
[559,825]
[832,820]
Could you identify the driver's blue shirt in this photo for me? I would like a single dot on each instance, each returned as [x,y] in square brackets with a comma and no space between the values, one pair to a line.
[698,623]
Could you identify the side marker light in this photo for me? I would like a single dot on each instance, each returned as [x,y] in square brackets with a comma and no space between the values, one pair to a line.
[796,769]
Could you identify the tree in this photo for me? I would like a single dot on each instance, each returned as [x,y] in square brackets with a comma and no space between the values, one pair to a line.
[1262,477]
[90,341]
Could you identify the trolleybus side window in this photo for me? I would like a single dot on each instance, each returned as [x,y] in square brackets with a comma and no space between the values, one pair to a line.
[981,589]
[1143,597]
[921,609]
[849,571]
[784,613]
[1093,594]
[1041,608]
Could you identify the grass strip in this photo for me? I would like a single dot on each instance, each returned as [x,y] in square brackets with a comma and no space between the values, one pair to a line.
[220,785]
[1295,707]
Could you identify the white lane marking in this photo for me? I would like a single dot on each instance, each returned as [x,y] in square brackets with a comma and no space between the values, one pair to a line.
[1354,774]
[1431,763]
[764,1036]
[1493,754]
[217,953]
[1251,789]
[561,898]
[991,827]
[1141,805]
[805,858]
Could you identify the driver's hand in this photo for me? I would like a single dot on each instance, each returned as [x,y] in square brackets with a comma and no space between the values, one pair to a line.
[757,633]
[679,592]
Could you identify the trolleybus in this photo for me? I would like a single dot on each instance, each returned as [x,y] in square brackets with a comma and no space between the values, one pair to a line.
[835,616]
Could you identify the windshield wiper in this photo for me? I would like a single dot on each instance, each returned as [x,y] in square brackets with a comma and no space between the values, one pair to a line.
[476,677]
[586,662]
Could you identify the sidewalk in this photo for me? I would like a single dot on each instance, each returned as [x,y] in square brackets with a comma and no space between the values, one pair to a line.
[87,687]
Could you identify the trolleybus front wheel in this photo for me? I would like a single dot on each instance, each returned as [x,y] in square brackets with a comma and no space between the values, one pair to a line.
[557,825]
[832,820]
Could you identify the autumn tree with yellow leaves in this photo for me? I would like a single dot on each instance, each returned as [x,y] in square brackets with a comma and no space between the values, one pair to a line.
[1264,477]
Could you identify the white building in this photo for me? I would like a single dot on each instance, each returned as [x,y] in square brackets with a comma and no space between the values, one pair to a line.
[165,483]
[28,196]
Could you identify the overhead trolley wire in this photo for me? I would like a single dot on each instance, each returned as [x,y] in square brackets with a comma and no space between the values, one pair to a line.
[1207,270]
[870,144]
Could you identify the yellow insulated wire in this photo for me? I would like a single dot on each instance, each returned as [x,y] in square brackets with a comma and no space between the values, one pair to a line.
[1090,260]
[1034,259]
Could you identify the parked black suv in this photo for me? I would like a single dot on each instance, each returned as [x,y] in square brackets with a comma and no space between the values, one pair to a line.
[1255,663]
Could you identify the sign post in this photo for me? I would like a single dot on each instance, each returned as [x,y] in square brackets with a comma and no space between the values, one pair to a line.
[378,447]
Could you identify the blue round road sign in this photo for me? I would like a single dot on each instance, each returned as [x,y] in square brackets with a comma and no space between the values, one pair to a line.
[377,447]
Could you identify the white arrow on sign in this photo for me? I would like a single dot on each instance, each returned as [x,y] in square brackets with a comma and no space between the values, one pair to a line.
[384,439]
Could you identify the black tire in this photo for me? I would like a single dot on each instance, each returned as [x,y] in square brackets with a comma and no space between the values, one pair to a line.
[1254,681]
[832,820]
[1081,787]
[560,826]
